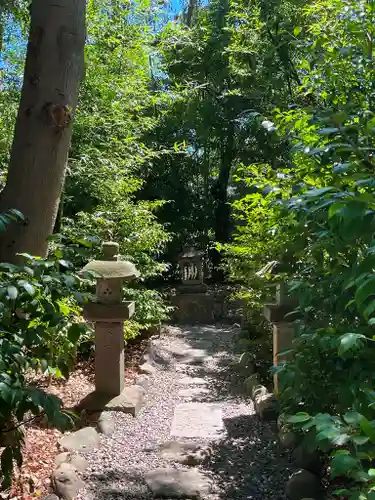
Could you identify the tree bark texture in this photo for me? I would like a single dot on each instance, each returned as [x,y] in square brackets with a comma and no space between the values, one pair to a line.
[53,71]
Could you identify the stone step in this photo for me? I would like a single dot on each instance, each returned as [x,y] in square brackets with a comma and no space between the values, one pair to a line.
[197,420]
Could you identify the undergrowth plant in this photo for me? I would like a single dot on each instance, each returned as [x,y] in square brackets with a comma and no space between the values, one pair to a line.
[41,327]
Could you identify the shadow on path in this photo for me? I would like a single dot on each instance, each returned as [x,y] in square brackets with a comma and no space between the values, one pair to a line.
[248,463]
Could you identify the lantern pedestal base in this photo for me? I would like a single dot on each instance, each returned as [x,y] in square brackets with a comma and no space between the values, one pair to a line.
[129,401]
[193,308]
[192,288]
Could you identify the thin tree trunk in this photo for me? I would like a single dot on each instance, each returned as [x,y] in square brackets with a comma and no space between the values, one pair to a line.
[54,68]
[220,196]
[192,6]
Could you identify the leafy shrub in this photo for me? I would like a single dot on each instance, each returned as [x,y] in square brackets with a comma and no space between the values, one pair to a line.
[40,329]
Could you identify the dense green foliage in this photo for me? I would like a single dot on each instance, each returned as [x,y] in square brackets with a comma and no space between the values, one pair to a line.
[315,215]
[247,129]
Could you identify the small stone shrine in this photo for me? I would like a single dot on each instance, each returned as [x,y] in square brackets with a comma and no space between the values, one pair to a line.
[192,301]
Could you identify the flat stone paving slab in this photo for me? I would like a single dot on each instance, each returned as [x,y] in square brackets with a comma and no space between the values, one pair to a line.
[192,381]
[175,483]
[197,420]
[193,392]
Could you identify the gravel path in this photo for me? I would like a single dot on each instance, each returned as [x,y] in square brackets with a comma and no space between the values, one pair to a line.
[245,463]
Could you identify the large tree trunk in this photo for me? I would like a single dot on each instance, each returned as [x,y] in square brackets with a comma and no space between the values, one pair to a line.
[54,68]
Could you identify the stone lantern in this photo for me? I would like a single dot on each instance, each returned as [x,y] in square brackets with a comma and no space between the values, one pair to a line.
[279,315]
[190,262]
[193,303]
[108,313]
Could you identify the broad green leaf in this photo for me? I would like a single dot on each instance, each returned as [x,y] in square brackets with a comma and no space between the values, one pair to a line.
[369,310]
[75,332]
[328,130]
[360,440]
[299,418]
[352,417]
[367,428]
[65,263]
[12,292]
[342,464]
[365,290]
[318,192]
[27,286]
[350,340]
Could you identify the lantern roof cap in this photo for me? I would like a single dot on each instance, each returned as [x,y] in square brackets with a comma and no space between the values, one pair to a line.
[189,252]
[107,269]
[273,268]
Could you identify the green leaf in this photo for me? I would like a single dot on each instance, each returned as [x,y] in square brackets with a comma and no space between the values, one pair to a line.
[328,130]
[12,292]
[65,263]
[5,392]
[334,208]
[369,310]
[297,30]
[43,365]
[367,428]
[349,341]
[27,286]
[365,290]
[17,213]
[352,417]
[75,332]
[299,418]
[317,192]
[342,464]
[360,440]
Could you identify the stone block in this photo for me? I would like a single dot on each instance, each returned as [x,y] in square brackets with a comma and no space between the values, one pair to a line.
[80,463]
[108,313]
[85,439]
[303,484]
[197,420]
[129,401]
[288,438]
[66,482]
[143,381]
[266,406]
[250,383]
[106,424]
[184,452]
[307,459]
[193,308]
[283,336]
[276,313]
[147,368]
[258,390]
[177,483]
[246,363]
